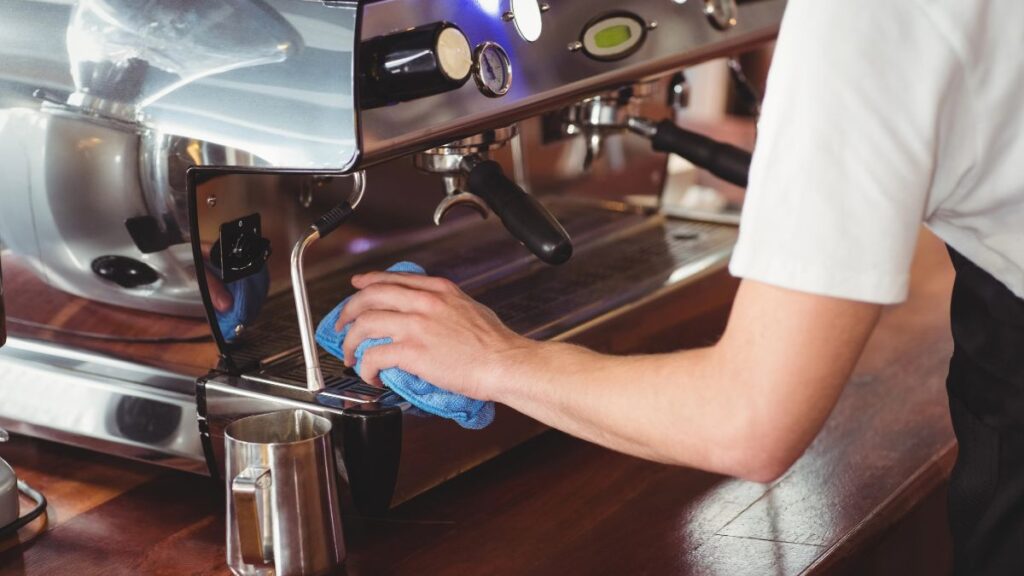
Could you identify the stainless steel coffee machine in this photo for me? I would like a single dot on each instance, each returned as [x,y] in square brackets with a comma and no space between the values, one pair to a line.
[176,176]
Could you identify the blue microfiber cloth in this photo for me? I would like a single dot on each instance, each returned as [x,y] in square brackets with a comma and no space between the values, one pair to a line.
[248,295]
[469,413]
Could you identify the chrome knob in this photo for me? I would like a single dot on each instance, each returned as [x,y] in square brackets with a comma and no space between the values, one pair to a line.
[721,13]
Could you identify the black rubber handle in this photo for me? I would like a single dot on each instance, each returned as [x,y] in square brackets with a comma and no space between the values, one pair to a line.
[330,221]
[728,162]
[525,217]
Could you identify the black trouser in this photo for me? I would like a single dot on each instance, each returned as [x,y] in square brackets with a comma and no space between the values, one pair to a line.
[986,401]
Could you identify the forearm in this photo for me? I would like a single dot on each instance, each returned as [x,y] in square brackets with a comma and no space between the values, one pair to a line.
[679,408]
[747,406]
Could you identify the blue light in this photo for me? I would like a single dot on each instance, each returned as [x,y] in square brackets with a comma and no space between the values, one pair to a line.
[492,7]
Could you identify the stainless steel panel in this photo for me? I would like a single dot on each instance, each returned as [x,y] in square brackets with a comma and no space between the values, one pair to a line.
[273,78]
[100,403]
[546,73]
[104,105]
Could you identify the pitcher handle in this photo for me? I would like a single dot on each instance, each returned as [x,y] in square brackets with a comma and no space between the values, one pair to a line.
[246,490]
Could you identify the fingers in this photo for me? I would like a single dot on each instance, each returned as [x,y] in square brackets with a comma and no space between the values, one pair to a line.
[390,297]
[382,357]
[220,297]
[414,281]
[376,324]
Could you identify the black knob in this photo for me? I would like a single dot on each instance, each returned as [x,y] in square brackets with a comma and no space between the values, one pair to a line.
[123,271]
[420,62]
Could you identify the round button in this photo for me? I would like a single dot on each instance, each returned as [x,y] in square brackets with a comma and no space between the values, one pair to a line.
[454,54]
[492,69]
[527,19]
[125,272]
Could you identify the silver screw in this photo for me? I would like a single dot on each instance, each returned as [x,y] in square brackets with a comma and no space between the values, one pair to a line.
[575,46]
[211,201]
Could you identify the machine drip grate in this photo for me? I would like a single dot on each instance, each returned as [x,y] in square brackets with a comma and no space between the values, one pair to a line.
[612,269]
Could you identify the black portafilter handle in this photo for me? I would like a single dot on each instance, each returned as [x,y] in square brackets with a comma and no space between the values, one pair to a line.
[522,214]
[728,162]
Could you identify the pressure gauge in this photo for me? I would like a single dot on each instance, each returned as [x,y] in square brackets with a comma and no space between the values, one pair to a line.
[492,69]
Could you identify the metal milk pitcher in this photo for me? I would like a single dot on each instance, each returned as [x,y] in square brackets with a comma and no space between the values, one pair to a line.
[283,517]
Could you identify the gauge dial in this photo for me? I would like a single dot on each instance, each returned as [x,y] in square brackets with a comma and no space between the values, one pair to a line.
[492,69]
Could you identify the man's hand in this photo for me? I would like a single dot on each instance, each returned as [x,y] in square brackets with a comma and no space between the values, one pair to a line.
[438,332]
[746,407]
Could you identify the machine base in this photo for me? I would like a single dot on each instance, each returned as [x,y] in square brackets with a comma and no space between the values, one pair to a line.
[639,283]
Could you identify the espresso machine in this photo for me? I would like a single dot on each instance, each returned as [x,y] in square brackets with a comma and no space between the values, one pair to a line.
[189,187]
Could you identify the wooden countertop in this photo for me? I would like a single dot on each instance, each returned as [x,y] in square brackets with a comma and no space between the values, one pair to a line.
[557,505]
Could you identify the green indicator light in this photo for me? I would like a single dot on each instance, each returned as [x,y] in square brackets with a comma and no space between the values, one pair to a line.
[613,36]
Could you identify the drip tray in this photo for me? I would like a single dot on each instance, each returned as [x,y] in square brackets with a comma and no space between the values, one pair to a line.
[621,258]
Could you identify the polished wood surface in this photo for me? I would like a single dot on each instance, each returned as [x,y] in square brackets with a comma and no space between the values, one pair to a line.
[38,311]
[857,502]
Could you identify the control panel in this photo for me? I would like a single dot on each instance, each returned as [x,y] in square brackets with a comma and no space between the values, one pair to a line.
[525,56]
[429,60]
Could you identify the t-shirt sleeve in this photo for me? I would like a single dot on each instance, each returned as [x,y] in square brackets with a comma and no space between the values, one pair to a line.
[847,147]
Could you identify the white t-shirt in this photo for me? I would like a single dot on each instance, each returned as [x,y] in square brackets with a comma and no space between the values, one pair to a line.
[880,115]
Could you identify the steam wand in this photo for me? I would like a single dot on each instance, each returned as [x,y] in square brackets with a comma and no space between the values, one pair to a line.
[324,225]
